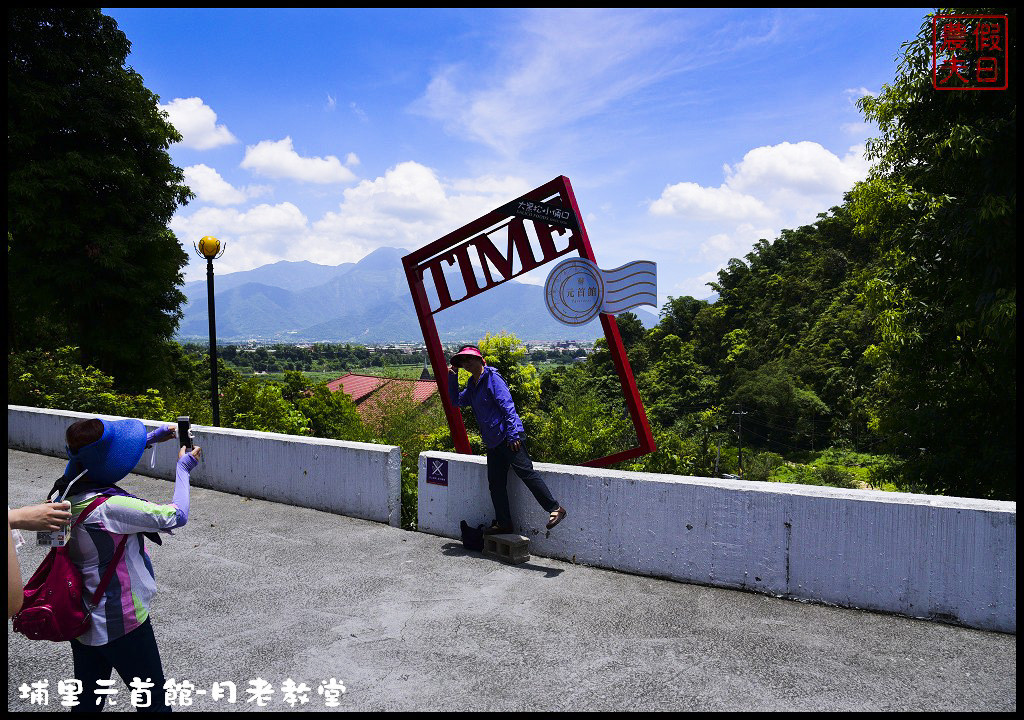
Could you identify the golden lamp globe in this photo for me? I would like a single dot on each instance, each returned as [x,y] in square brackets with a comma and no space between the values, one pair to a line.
[209,246]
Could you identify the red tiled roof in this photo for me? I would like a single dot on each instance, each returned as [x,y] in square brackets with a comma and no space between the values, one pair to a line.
[362,387]
[357,387]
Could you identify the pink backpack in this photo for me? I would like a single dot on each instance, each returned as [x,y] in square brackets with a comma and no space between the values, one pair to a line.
[54,607]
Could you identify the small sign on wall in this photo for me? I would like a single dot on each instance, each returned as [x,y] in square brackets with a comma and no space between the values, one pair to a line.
[437,472]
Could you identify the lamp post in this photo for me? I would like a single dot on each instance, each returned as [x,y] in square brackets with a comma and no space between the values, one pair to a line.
[210,248]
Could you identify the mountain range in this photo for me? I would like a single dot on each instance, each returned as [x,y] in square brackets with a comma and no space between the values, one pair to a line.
[366,302]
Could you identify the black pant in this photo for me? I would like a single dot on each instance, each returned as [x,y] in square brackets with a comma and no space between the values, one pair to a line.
[134,655]
[499,460]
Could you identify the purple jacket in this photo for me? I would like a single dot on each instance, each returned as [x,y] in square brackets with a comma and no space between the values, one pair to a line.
[492,404]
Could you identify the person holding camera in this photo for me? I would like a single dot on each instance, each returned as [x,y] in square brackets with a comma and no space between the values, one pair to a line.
[502,430]
[120,635]
[43,517]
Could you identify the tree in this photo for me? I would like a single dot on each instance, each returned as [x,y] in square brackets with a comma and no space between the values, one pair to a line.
[58,379]
[506,354]
[779,409]
[577,425]
[677,316]
[941,201]
[331,414]
[90,190]
[675,384]
[254,405]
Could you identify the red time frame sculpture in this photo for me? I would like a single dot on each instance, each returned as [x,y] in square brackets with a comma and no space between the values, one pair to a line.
[558,228]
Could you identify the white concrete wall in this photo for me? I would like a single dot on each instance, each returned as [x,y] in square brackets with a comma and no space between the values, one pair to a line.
[356,479]
[940,558]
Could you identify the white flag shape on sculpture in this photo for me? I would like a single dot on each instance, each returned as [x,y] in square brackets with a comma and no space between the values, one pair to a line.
[577,289]
[633,284]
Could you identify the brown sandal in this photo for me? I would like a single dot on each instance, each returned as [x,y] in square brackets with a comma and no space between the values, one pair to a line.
[556,517]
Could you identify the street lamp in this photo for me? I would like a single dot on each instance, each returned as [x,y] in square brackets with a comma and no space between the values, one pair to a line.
[211,249]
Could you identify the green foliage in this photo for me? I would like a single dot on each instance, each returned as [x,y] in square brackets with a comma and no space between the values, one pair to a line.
[889,323]
[781,410]
[441,440]
[827,475]
[186,386]
[676,455]
[940,203]
[760,466]
[674,384]
[330,414]
[506,354]
[254,405]
[679,316]
[577,425]
[397,419]
[320,358]
[90,191]
[37,378]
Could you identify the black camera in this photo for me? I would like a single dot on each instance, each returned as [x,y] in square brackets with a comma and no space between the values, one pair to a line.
[185,432]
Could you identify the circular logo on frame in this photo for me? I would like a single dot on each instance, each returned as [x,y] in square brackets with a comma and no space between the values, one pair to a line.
[574,291]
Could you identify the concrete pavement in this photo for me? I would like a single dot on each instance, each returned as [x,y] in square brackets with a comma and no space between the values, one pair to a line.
[407,621]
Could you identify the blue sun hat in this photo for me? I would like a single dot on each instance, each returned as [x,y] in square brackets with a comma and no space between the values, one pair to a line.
[113,456]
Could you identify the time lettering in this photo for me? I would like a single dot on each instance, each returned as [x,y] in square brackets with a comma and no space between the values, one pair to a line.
[497,266]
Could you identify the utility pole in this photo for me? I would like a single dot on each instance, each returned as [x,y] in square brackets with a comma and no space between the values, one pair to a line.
[741,413]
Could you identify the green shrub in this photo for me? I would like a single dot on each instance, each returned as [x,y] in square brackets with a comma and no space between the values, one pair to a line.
[836,476]
[255,405]
[58,380]
[824,475]
[760,466]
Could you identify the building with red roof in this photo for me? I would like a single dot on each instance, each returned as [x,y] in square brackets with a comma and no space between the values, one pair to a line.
[369,391]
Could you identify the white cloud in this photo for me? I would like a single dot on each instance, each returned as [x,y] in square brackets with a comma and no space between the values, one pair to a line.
[358,112]
[701,203]
[351,159]
[855,94]
[696,286]
[568,65]
[197,123]
[549,77]
[786,183]
[261,220]
[210,187]
[280,160]
[804,167]
[858,129]
[735,243]
[254,237]
[771,188]
[408,207]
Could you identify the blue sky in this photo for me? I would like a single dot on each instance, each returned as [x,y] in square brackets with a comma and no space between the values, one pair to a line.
[321,135]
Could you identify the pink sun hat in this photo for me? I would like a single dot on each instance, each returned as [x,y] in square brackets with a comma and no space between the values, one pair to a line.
[467,351]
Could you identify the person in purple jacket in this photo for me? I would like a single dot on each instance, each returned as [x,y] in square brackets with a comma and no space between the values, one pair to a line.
[502,431]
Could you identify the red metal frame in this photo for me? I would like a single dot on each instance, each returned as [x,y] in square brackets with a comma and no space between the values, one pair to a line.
[430,257]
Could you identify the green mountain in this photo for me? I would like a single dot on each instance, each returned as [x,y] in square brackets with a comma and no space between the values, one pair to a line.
[366,302]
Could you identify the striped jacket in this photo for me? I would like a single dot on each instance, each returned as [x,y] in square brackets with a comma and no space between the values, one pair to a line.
[125,603]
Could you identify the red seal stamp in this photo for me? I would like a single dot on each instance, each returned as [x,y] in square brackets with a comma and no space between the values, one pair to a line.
[970,52]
